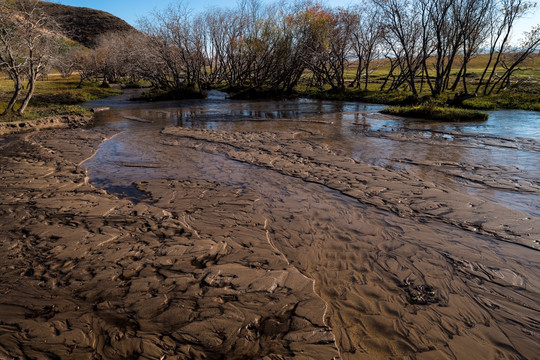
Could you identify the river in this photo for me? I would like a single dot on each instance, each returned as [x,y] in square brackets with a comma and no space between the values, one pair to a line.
[421,237]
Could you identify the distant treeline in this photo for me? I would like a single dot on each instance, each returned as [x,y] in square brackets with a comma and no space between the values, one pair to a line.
[273,48]
[425,44]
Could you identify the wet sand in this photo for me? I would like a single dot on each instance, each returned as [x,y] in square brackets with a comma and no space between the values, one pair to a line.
[51,122]
[257,244]
[369,258]
[87,275]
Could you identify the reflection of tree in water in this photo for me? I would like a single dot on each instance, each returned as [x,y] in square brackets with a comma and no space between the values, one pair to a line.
[361,121]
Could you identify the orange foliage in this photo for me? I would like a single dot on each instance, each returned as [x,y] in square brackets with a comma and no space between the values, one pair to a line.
[314,15]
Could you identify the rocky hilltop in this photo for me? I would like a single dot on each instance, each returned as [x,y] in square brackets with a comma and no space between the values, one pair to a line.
[84,25]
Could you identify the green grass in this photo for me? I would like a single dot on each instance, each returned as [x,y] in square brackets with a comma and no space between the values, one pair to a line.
[404,98]
[504,100]
[525,97]
[54,96]
[436,113]
[37,113]
[371,96]
[529,68]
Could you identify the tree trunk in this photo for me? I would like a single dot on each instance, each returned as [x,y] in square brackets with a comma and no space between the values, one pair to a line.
[11,104]
[390,74]
[457,80]
[486,68]
[80,82]
[358,75]
[465,90]
[366,80]
[31,87]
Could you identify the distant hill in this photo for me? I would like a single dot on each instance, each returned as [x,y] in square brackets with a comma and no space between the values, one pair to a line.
[84,25]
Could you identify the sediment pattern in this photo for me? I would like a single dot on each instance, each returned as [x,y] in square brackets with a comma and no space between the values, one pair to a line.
[383,188]
[87,275]
[371,266]
[259,244]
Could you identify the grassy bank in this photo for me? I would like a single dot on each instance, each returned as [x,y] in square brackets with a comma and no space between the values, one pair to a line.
[523,94]
[54,96]
[509,99]
[369,96]
[442,108]
[436,113]
[505,100]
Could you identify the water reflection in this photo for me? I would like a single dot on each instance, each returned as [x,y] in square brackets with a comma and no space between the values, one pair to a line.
[356,253]
[497,160]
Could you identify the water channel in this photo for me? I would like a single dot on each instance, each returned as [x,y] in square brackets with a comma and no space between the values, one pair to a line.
[363,257]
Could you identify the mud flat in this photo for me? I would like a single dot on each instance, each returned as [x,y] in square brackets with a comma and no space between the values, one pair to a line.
[51,122]
[86,275]
[261,243]
[383,188]
[408,268]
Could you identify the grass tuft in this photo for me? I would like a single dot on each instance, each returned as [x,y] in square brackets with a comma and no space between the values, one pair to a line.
[436,113]
[505,100]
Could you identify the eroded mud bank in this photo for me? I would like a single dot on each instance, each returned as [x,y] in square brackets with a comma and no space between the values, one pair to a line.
[279,229]
[51,122]
[87,275]
[402,234]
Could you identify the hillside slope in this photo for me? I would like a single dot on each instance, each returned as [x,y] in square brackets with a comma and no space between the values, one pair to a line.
[84,25]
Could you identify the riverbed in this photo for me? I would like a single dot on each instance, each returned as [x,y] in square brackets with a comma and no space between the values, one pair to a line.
[399,237]
[358,254]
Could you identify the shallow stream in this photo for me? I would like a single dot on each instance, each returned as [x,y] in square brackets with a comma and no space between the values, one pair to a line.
[364,258]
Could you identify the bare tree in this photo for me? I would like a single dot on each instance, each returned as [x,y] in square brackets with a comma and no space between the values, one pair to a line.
[12,52]
[177,59]
[511,60]
[344,22]
[367,37]
[164,66]
[442,39]
[270,48]
[65,61]
[324,38]
[39,43]
[86,65]
[402,21]
[502,18]
[472,21]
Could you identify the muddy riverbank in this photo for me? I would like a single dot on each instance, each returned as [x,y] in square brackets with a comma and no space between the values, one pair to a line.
[294,229]
[87,275]
[51,122]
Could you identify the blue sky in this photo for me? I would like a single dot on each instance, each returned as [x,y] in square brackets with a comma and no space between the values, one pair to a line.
[131,10]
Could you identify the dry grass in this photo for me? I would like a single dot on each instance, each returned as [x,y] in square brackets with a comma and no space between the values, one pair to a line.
[54,95]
